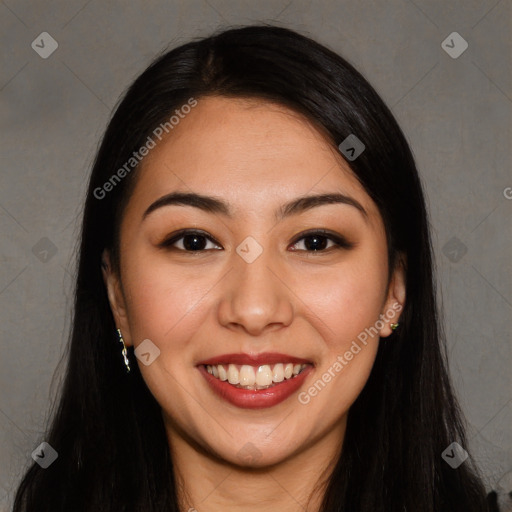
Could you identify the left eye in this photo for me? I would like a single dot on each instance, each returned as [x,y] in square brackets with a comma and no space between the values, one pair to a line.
[319,241]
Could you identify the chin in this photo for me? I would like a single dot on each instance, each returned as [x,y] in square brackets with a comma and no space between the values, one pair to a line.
[250,456]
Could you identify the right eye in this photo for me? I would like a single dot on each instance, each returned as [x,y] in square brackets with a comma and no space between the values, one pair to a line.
[190,241]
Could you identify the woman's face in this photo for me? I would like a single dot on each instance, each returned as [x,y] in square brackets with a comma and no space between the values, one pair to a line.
[255,289]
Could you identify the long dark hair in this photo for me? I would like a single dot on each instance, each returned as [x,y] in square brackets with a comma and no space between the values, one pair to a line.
[108,429]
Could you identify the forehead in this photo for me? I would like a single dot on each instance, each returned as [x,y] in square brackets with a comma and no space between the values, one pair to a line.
[248,151]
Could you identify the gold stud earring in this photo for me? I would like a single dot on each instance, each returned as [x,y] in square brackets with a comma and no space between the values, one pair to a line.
[123,351]
[394,326]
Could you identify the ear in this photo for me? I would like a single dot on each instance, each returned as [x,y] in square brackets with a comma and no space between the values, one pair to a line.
[395,300]
[115,297]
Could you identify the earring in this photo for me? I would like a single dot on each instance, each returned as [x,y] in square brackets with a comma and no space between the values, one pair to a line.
[394,326]
[126,361]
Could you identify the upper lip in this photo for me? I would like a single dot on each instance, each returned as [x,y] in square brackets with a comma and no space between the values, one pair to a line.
[254,359]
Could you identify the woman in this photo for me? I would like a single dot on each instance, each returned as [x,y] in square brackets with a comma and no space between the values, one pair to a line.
[255,317]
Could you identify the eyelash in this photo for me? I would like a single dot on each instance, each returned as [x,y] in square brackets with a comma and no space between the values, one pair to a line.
[339,241]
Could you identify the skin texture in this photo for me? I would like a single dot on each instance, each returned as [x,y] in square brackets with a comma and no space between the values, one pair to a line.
[256,156]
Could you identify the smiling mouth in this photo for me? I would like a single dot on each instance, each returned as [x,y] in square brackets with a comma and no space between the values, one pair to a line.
[255,377]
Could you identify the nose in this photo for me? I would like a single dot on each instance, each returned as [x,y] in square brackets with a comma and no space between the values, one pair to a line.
[254,297]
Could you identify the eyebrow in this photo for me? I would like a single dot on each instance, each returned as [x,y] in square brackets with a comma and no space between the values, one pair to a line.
[214,205]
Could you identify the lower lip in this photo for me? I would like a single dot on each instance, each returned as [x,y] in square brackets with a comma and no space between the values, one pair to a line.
[255,399]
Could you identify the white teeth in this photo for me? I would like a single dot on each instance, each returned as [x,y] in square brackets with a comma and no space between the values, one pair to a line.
[264,375]
[223,374]
[233,375]
[250,377]
[278,375]
[247,377]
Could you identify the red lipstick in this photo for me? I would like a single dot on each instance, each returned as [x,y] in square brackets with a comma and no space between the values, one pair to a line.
[254,359]
[258,398]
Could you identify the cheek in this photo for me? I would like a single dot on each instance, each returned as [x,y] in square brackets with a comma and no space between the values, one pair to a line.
[349,303]
[161,303]
[352,302]
[348,299]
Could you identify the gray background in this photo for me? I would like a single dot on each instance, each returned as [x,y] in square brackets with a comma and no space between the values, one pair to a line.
[456,114]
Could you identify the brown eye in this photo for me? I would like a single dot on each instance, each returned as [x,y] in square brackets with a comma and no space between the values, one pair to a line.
[190,241]
[318,241]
